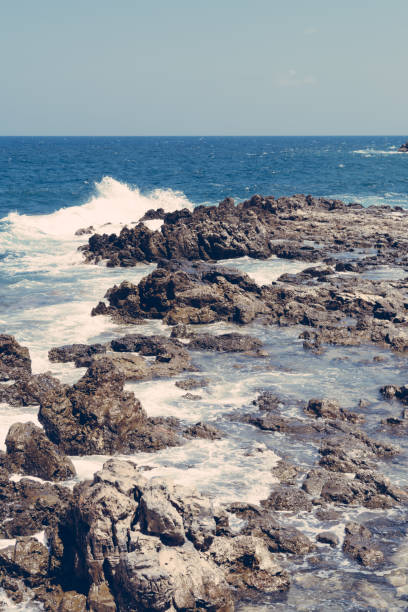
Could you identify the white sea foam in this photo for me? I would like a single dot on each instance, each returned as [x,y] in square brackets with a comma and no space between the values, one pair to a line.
[218,468]
[114,204]
[369,152]
[264,272]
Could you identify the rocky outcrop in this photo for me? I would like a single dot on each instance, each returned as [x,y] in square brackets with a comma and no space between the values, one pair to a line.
[358,544]
[403,148]
[151,545]
[28,390]
[180,292]
[210,232]
[28,507]
[73,352]
[96,416]
[31,452]
[15,359]
[330,409]
[225,343]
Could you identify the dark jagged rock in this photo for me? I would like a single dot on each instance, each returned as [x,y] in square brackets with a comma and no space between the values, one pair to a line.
[151,545]
[279,538]
[179,292]
[349,449]
[27,559]
[209,232]
[392,391]
[72,352]
[330,409]
[358,545]
[403,148]
[29,451]
[204,431]
[85,230]
[284,498]
[28,507]
[225,343]
[96,416]
[28,391]
[15,359]
[192,383]
[367,488]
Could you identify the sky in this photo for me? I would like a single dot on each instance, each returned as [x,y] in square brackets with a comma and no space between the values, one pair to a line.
[203,67]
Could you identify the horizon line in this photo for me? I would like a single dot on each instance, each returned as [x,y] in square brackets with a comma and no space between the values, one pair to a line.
[198,135]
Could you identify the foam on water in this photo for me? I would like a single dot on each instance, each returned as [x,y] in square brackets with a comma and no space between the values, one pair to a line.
[264,272]
[114,204]
[370,151]
[225,470]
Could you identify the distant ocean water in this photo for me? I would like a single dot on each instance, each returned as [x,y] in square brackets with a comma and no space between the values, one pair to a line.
[50,187]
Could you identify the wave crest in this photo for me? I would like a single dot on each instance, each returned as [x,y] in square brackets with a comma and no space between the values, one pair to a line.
[113,203]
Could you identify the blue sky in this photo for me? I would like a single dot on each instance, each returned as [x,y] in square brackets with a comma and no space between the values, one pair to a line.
[177,67]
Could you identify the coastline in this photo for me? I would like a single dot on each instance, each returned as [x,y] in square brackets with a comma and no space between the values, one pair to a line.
[333,301]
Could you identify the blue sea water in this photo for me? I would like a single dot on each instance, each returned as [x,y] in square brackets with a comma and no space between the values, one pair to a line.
[50,187]
[41,175]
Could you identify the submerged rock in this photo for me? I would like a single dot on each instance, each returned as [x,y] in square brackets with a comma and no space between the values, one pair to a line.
[358,545]
[225,343]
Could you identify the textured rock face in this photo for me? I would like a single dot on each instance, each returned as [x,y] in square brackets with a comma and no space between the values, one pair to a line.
[30,507]
[225,343]
[180,292]
[28,391]
[14,359]
[27,558]
[170,356]
[96,416]
[31,452]
[153,546]
[212,232]
[358,545]
[72,352]
[330,409]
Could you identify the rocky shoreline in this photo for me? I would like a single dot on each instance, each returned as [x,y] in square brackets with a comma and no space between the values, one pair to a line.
[122,541]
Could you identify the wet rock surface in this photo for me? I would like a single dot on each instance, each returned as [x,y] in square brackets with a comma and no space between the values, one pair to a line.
[184,292]
[259,227]
[124,542]
[97,416]
[31,452]
[15,359]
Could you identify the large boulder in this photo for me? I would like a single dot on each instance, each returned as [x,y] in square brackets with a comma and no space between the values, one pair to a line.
[26,558]
[31,452]
[14,359]
[96,416]
[153,545]
[180,292]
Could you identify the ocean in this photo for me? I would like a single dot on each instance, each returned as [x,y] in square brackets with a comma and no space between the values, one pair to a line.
[51,187]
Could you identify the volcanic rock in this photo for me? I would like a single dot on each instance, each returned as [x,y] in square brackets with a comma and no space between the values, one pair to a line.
[31,452]
[97,416]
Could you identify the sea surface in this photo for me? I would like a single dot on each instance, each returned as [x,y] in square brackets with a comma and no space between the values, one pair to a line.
[50,187]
